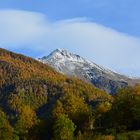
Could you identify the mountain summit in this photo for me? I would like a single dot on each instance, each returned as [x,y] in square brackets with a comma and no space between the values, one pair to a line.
[74,65]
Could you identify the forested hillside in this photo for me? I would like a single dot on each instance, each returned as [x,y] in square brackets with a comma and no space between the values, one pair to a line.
[38,103]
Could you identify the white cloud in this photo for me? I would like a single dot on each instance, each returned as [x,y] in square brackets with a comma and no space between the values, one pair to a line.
[108,47]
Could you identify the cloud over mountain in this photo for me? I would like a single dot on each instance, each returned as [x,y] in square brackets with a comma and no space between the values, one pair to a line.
[34,31]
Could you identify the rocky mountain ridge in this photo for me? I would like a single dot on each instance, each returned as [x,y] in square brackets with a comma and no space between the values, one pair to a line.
[74,65]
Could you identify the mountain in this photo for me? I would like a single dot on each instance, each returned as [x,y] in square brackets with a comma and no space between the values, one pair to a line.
[74,65]
[33,96]
[25,81]
[38,103]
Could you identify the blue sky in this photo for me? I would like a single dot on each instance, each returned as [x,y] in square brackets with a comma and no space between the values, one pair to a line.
[122,15]
[104,31]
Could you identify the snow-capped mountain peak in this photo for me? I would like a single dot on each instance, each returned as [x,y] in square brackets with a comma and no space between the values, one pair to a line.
[74,65]
[63,55]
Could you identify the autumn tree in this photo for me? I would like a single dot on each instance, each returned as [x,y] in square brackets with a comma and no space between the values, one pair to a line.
[57,110]
[64,128]
[125,111]
[26,120]
[6,131]
[77,110]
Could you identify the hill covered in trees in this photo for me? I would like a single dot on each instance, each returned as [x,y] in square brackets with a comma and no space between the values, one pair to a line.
[38,103]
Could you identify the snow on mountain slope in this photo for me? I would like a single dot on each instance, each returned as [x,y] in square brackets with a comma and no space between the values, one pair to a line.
[74,65]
